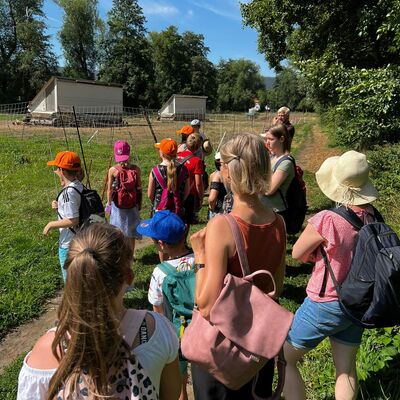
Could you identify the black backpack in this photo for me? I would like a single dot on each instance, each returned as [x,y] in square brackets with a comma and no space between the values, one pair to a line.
[91,209]
[370,294]
[295,200]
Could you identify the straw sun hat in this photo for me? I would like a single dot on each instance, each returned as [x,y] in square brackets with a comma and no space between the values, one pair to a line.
[344,179]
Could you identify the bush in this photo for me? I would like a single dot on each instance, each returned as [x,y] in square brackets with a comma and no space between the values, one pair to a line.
[368,107]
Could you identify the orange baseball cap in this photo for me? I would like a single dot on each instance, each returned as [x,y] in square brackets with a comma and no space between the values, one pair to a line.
[66,160]
[168,147]
[185,130]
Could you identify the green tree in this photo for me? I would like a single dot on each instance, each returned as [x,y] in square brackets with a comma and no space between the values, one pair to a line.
[26,58]
[238,84]
[125,55]
[78,37]
[181,64]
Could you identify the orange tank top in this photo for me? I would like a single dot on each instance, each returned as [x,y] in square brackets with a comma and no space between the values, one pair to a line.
[264,245]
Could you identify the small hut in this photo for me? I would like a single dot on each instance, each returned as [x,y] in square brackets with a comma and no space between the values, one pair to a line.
[94,99]
[184,107]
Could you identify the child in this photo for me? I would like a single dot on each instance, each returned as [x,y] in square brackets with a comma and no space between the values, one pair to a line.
[185,131]
[124,194]
[68,168]
[100,349]
[168,233]
[195,167]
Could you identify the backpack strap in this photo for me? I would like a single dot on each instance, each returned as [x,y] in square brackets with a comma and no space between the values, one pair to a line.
[167,268]
[131,324]
[349,215]
[59,194]
[238,237]
[159,178]
[328,268]
[187,158]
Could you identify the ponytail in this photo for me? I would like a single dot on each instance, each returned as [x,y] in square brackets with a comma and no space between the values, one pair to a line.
[97,263]
[171,174]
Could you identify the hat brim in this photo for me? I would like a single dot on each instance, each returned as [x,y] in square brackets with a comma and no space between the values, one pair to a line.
[52,163]
[332,189]
[145,229]
[121,158]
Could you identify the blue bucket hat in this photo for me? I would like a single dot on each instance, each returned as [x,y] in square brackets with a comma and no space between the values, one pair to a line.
[165,226]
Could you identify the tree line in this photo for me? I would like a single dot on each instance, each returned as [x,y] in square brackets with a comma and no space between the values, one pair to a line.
[151,66]
[347,54]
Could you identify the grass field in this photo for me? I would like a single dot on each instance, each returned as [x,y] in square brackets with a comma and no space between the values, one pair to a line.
[29,270]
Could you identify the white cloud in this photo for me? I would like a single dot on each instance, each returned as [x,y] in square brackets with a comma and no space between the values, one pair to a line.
[158,8]
[190,13]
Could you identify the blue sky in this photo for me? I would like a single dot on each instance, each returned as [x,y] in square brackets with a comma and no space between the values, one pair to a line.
[218,20]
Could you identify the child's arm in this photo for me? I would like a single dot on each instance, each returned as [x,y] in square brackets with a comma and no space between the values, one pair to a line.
[110,179]
[62,223]
[151,188]
[139,192]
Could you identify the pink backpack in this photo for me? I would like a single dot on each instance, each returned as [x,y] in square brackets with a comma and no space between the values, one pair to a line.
[170,200]
[124,194]
[246,329]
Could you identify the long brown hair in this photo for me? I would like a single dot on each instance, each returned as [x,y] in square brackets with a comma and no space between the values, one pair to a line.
[98,262]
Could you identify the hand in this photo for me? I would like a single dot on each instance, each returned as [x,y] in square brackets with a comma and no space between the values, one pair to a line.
[108,209]
[198,241]
[46,229]
[54,204]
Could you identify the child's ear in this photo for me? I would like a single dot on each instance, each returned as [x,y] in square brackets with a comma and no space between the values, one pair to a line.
[129,276]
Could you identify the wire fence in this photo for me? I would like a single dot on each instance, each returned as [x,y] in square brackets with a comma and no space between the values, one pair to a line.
[138,125]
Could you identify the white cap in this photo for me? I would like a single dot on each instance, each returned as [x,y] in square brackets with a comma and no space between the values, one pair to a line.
[195,122]
[217,156]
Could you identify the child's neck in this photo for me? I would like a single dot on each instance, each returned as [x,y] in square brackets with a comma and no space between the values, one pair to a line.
[177,252]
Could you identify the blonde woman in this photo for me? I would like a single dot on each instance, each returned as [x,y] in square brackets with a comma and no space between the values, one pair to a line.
[96,352]
[345,181]
[245,166]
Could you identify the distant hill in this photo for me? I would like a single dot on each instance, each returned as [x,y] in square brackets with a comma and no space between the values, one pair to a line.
[269,82]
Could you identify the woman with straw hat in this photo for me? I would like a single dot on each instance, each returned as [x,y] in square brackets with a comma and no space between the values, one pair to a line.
[345,181]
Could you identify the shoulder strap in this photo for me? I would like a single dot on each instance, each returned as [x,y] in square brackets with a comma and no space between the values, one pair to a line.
[287,157]
[167,268]
[187,158]
[239,242]
[377,215]
[349,215]
[159,177]
[328,268]
[130,324]
[66,188]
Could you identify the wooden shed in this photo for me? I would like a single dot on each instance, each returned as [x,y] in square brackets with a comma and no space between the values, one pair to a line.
[88,97]
[184,107]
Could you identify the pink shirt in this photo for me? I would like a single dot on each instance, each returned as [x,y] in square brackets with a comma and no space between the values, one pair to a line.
[340,236]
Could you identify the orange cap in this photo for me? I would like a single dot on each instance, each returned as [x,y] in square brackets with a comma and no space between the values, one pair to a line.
[66,160]
[168,147]
[185,130]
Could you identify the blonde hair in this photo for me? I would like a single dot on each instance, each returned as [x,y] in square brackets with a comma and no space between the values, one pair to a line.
[193,142]
[284,110]
[248,163]
[279,131]
[98,260]
[171,172]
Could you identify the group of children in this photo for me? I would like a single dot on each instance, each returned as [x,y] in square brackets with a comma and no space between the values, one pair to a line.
[176,188]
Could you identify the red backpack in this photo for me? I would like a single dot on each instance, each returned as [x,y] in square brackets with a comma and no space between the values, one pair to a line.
[124,194]
[170,200]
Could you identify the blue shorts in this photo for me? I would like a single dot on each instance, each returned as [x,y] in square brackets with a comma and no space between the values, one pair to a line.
[314,321]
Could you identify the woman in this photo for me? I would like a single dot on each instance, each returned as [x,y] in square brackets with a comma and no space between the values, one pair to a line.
[345,181]
[245,166]
[96,340]
[278,143]
[217,189]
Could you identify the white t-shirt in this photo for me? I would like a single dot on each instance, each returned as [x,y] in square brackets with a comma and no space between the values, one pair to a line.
[161,348]
[69,202]
[155,294]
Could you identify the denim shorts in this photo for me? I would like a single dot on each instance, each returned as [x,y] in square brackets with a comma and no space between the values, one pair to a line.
[314,321]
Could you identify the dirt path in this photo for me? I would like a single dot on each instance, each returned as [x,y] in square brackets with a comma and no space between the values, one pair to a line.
[315,151]
[22,339]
